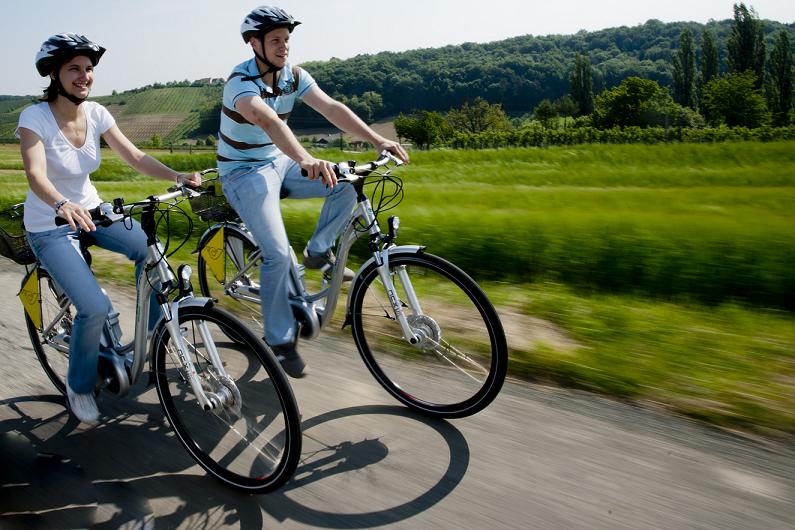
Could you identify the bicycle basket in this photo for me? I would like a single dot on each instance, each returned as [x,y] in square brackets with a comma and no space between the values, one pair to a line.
[211,205]
[13,242]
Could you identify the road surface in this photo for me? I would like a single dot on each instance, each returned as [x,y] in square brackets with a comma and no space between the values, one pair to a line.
[538,457]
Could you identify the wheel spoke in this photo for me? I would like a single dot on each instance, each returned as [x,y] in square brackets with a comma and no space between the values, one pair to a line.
[459,363]
[250,437]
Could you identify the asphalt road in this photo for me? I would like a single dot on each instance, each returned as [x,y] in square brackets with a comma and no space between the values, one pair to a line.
[538,457]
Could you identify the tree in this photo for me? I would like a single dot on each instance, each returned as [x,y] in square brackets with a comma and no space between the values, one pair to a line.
[155,140]
[582,85]
[734,100]
[422,128]
[478,116]
[565,106]
[210,141]
[684,74]
[643,103]
[545,113]
[710,63]
[746,45]
[626,103]
[780,80]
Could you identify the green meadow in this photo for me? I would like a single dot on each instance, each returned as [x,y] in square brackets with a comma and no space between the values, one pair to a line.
[662,274]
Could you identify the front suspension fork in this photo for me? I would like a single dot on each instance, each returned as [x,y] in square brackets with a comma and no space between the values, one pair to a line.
[394,300]
[207,400]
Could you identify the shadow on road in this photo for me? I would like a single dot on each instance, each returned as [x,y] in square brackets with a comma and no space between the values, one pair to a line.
[352,456]
[57,474]
[131,471]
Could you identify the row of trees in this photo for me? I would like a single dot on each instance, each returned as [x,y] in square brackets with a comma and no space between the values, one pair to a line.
[746,55]
[753,85]
[754,89]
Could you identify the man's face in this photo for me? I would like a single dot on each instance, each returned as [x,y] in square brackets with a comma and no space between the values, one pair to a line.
[277,46]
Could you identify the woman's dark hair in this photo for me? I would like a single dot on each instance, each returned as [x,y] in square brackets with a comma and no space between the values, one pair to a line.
[51,92]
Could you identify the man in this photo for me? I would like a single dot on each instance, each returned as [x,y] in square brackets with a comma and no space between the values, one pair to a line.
[260,160]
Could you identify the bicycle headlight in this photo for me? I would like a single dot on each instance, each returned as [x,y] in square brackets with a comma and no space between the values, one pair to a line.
[394,225]
[184,273]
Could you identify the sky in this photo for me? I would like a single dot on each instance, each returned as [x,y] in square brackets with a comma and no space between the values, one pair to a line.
[151,41]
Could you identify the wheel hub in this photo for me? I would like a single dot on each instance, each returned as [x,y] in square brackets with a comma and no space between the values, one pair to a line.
[225,395]
[426,329]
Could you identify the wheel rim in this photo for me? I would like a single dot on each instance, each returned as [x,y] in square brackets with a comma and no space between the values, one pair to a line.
[248,449]
[457,362]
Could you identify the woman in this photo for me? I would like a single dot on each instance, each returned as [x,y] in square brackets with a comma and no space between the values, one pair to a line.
[60,144]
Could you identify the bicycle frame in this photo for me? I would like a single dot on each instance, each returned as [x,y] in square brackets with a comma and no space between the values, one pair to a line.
[362,215]
[155,273]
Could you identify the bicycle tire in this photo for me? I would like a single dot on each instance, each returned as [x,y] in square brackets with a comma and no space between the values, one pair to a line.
[237,251]
[228,445]
[54,362]
[459,365]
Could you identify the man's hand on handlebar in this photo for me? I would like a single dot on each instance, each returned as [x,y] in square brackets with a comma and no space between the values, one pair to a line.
[395,148]
[323,169]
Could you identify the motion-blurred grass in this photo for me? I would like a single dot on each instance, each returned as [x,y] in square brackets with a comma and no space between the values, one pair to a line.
[659,273]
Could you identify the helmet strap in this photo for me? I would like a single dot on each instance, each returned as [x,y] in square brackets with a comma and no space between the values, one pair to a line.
[60,89]
[270,66]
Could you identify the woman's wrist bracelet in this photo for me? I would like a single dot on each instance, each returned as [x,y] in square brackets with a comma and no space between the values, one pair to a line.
[59,204]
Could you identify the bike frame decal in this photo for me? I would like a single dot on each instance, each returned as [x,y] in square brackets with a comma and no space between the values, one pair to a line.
[31,297]
[214,254]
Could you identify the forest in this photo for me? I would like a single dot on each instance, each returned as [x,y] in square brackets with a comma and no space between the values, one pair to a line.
[521,72]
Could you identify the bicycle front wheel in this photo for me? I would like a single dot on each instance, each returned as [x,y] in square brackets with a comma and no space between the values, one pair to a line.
[252,441]
[459,363]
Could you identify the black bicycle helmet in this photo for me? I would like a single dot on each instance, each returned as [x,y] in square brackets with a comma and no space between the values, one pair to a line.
[59,48]
[264,19]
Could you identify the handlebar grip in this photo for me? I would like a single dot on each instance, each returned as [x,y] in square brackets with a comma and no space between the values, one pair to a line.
[305,173]
[96,215]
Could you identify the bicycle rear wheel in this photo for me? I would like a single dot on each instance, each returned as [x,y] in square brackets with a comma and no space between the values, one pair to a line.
[459,364]
[236,292]
[51,341]
[252,443]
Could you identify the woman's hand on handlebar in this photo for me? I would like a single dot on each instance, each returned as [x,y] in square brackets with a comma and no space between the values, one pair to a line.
[395,148]
[76,215]
[191,180]
[323,169]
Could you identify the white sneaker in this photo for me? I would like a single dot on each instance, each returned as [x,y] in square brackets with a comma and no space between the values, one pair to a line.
[83,406]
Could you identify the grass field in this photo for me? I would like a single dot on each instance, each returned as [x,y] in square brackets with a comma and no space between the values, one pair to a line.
[662,274]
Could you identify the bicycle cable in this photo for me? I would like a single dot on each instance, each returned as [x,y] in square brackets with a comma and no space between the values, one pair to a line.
[382,198]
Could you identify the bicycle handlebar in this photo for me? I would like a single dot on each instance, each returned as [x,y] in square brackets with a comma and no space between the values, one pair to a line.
[106,213]
[350,172]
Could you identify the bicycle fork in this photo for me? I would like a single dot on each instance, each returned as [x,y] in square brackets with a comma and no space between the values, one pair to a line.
[227,395]
[394,299]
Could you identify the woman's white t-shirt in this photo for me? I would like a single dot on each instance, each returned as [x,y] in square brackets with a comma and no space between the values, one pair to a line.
[68,167]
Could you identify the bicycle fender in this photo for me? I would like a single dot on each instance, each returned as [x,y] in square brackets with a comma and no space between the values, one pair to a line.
[191,301]
[29,294]
[235,228]
[394,251]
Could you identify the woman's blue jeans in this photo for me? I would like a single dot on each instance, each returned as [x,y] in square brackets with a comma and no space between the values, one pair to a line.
[255,195]
[58,251]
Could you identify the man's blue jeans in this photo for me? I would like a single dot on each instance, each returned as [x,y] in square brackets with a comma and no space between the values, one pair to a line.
[58,252]
[255,195]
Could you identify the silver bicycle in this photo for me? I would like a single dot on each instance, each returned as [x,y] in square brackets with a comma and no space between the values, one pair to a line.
[228,401]
[424,328]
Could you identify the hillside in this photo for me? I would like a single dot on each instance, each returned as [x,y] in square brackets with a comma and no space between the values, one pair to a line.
[517,73]
[171,112]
